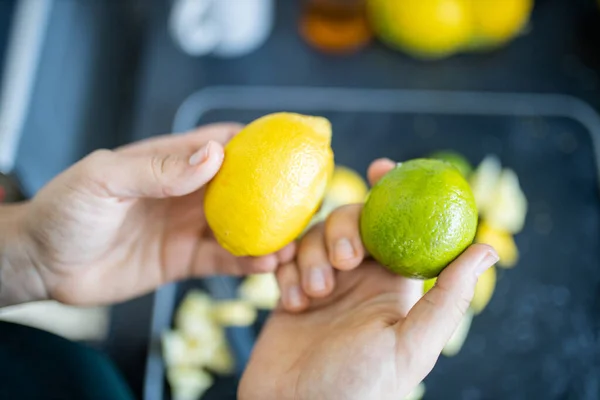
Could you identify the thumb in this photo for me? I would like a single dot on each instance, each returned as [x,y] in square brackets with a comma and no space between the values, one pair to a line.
[434,318]
[156,175]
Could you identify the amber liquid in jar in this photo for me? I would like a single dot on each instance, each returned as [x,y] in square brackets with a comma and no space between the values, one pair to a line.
[335,26]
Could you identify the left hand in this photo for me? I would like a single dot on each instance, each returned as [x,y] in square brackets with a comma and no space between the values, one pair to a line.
[364,332]
[120,223]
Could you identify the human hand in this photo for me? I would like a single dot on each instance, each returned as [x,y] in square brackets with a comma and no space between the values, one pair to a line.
[364,332]
[119,223]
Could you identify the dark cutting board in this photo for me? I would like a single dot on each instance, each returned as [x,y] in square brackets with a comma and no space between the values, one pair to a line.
[539,336]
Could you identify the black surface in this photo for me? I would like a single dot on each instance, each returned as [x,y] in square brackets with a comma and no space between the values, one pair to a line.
[537,338]
[559,55]
[7,10]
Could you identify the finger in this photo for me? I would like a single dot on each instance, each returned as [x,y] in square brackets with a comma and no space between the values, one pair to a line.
[286,254]
[379,168]
[183,143]
[255,265]
[432,321]
[342,235]
[158,176]
[292,296]
[315,270]
[268,263]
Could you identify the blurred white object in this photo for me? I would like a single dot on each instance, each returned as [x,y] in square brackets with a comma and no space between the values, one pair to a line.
[507,207]
[459,336]
[234,313]
[484,180]
[75,323]
[261,290]
[417,393]
[225,28]
[188,383]
[25,46]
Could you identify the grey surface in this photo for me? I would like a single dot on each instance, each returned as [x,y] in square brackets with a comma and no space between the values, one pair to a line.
[82,88]
[537,337]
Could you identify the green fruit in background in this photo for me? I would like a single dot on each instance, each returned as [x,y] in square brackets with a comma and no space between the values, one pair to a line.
[418,218]
[456,159]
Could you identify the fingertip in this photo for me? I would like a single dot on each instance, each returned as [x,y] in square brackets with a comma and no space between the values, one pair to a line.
[293,299]
[318,280]
[476,259]
[287,254]
[344,246]
[346,254]
[258,265]
[379,168]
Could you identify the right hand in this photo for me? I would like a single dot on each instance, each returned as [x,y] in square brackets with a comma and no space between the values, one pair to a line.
[364,332]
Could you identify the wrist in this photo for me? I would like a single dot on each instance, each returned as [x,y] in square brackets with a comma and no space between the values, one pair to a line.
[20,281]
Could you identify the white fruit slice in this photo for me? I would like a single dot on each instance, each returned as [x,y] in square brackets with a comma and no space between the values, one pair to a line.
[417,393]
[484,180]
[193,313]
[179,350]
[507,207]
[459,336]
[260,290]
[174,348]
[222,362]
[234,313]
[188,383]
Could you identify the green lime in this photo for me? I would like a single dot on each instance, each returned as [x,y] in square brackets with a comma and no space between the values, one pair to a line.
[428,284]
[458,160]
[418,218]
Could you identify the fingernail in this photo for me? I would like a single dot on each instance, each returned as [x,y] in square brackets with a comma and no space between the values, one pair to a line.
[490,258]
[201,155]
[343,250]
[316,279]
[294,297]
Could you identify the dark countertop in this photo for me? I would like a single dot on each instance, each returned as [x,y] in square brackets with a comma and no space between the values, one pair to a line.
[558,55]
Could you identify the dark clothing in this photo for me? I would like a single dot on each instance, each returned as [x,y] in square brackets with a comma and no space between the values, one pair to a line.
[35,364]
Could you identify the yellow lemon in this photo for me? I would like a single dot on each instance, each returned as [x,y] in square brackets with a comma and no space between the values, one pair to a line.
[486,284]
[483,290]
[346,187]
[425,28]
[273,178]
[418,218]
[498,21]
[502,241]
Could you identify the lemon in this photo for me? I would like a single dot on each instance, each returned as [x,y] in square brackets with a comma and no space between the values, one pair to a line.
[498,21]
[456,159]
[486,284]
[346,187]
[419,217]
[424,28]
[272,181]
[502,241]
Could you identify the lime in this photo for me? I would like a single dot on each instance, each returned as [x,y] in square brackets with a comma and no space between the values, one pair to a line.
[458,160]
[418,218]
